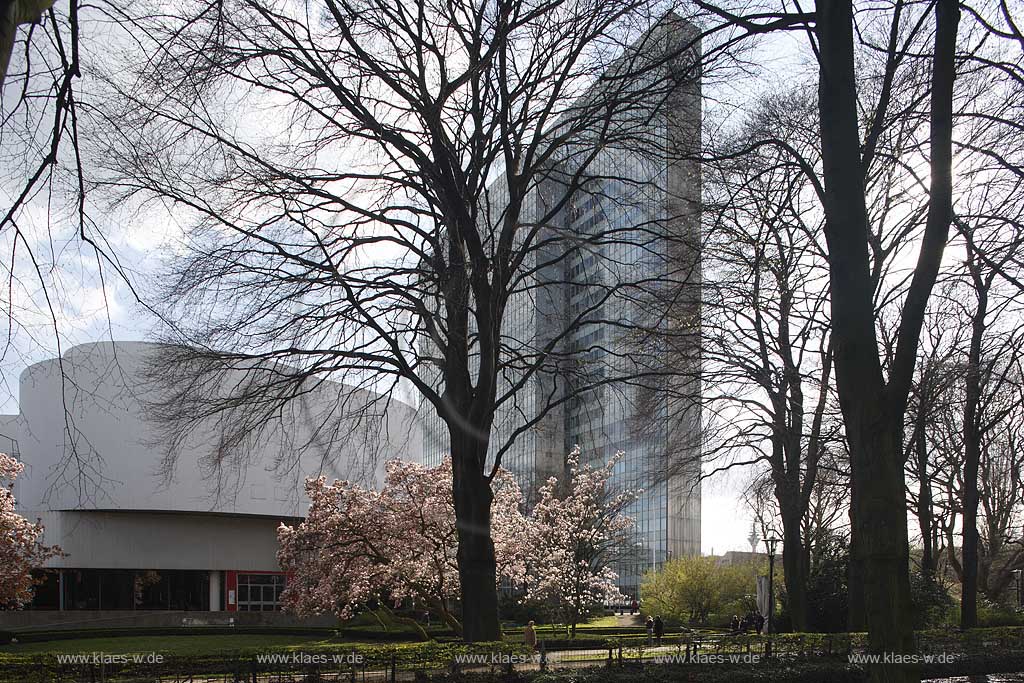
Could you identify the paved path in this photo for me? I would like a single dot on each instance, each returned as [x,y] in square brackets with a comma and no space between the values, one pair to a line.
[628,619]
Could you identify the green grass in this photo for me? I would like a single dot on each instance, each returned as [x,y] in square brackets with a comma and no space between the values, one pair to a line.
[230,645]
[197,645]
[220,654]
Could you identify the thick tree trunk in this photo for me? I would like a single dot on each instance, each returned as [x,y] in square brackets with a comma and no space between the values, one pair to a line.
[873,408]
[477,567]
[880,517]
[14,13]
[795,571]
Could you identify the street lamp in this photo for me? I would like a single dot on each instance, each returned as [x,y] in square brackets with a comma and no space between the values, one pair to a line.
[770,543]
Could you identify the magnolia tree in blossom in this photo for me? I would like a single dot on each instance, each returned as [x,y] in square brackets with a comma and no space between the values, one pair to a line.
[20,546]
[358,544]
[575,529]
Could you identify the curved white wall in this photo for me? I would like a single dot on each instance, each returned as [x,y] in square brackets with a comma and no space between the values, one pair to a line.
[87,445]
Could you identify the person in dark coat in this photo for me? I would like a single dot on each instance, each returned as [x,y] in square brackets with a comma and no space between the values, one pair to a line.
[759,623]
[659,628]
[650,631]
[734,625]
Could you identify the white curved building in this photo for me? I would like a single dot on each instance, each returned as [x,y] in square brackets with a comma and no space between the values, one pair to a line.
[137,536]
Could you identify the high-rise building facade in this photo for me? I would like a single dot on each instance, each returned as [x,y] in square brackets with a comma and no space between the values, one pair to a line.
[613,239]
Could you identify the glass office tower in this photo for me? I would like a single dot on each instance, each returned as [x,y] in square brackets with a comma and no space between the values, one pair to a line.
[611,239]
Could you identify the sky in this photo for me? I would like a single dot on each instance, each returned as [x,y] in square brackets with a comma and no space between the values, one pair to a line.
[91,302]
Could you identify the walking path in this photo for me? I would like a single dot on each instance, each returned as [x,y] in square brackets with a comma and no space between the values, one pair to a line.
[629,620]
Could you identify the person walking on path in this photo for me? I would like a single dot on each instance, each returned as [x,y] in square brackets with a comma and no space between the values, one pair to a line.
[659,628]
[650,631]
[530,636]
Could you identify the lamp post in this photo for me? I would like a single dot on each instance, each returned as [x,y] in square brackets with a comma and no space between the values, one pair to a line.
[1016,582]
[770,543]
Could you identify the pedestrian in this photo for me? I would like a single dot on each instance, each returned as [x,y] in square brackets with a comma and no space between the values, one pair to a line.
[734,625]
[530,636]
[759,622]
[659,628]
[632,606]
[650,631]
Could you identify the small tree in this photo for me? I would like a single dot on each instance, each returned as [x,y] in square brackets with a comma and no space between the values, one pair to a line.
[21,549]
[573,537]
[690,589]
[358,544]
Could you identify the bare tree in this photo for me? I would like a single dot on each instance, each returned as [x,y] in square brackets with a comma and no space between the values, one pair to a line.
[1001,494]
[980,405]
[765,325]
[930,476]
[981,414]
[371,191]
[872,400]
[50,244]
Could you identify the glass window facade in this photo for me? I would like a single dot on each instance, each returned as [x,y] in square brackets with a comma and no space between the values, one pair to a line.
[618,226]
[124,589]
[260,592]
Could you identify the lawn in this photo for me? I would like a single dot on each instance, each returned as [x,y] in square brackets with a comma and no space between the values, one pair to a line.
[229,647]
[128,657]
[192,645]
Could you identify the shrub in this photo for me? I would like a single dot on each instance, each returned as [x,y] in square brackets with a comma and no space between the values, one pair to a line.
[691,589]
[992,614]
[932,605]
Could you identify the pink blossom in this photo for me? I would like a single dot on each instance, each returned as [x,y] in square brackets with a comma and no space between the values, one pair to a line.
[574,536]
[21,549]
[357,543]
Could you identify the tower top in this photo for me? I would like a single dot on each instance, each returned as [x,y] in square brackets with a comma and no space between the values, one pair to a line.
[752,538]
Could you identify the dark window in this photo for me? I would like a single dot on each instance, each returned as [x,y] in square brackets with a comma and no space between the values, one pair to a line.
[146,589]
[46,593]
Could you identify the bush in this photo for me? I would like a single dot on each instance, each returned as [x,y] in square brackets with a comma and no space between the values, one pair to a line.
[691,589]
[828,597]
[991,614]
[931,602]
